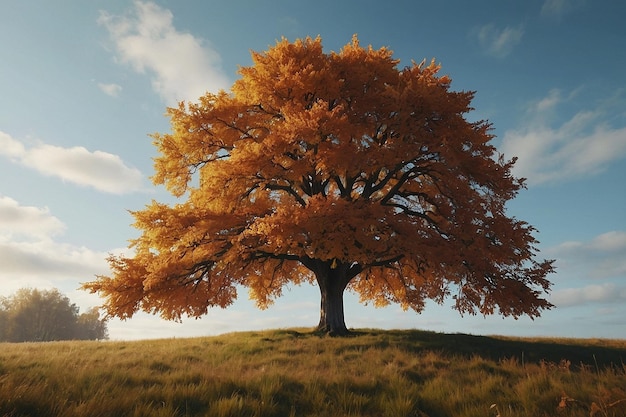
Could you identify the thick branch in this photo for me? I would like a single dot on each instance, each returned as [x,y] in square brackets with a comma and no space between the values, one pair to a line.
[289,190]
[385,262]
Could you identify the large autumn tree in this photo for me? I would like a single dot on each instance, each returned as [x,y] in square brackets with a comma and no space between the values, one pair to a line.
[340,169]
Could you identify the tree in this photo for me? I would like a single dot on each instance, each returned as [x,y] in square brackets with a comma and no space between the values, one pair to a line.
[89,326]
[31,315]
[338,169]
[40,316]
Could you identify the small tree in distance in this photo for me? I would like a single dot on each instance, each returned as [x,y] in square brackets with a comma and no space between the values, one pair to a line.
[32,315]
[337,169]
[89,326]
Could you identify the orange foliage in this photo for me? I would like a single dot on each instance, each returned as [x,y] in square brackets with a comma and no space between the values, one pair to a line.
[338,166]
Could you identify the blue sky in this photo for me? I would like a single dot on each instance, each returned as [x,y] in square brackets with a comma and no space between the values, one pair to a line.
[83,83]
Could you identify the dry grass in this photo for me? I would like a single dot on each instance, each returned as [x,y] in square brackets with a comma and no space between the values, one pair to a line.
[297,373]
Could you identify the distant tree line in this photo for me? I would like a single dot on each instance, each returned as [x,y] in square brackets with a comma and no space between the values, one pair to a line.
[32,315]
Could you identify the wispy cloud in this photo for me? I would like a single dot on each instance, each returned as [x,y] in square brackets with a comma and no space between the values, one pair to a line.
[182,67]
[594,270]
[101,170]
[558,8]
[600,258]
[583,145]
[31,255]
[49,260]
[499,42]
[597,293]
[112,89]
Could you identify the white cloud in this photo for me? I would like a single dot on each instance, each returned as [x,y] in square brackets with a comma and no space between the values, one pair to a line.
[10,147]
[112,89]
[17,220]
[100,170]
[602,293]
[584,145]
[182,66]
[498,42]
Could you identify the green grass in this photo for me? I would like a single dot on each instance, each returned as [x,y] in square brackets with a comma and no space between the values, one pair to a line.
[297,373]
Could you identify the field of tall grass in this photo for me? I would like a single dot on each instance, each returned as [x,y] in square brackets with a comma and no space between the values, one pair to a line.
[298,373]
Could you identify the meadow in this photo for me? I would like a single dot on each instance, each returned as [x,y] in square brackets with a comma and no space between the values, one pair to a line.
[294,372]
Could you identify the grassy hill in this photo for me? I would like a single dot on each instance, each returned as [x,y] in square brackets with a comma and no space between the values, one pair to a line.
[297,373]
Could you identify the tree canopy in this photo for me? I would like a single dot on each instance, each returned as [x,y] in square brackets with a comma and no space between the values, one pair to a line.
[32,315]
[340,169]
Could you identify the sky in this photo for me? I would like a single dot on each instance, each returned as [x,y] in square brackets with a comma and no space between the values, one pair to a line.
[83,84]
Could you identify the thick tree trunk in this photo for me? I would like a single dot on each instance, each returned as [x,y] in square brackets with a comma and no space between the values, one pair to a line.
[332,283]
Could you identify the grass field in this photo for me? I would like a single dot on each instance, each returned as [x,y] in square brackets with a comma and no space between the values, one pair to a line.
[297,373]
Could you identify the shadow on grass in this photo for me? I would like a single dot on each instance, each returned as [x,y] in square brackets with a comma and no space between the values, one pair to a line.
[591,353]
[577,351]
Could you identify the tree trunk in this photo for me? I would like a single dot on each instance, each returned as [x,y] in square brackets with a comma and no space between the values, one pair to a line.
[332,283]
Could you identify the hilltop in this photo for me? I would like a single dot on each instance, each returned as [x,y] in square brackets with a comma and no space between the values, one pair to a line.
[294,372]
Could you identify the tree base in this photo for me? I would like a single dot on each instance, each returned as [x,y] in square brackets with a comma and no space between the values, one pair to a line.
[332,332]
